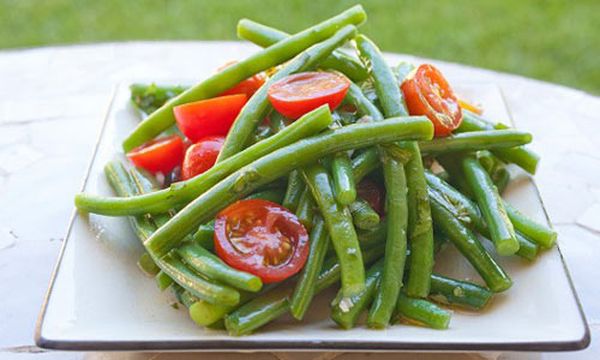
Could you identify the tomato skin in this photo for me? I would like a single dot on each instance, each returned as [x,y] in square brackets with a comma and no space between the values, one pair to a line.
[248,86]
[158,155]
[373,194]
[201,156]
[208,117]
[262,238]
[428,93]
[297,94]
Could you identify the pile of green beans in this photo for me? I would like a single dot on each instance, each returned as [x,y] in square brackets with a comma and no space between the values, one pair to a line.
[382,263]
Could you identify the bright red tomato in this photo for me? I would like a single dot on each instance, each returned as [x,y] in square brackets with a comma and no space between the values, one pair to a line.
[208,117]
[201,156]
[428,93]
[372,193]
[295,95]
[158,155]
[262,238]
[248,86]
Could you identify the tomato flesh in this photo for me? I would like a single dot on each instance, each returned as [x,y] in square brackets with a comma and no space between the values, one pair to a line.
[208,117]
[428,93]
[295,95]
[248,86]
[262,238]
[373,194]
[158,155]
[201,156]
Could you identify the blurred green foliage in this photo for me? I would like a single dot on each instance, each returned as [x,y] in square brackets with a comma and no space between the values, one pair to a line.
[557,41]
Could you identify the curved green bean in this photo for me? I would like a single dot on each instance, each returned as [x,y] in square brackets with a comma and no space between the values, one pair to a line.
[541,234]
[258,106]
[276,54]
[265,36]
[339,225]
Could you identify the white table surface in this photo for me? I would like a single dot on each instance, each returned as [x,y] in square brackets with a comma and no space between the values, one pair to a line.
[52,102]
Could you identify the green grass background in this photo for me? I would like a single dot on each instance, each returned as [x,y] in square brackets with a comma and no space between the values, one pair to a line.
[557,41]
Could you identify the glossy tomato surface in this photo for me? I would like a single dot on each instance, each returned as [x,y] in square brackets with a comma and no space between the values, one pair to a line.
[248,86]
[262,238]
[210,117]
[295,95]
[428,93]
[201,156]
[158,155]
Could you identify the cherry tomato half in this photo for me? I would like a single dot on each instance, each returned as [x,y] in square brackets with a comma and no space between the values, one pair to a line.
[201,156]
[208,117]
[248,86]
[428,93]
[295,95]
[158,155]
[262,238]
[372,193]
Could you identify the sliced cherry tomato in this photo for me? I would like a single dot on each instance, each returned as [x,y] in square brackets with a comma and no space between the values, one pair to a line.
[295,95]
[208,117]
[248,86]
[262,238]
[372,193]
[201,156]
[428,93]
[158,155]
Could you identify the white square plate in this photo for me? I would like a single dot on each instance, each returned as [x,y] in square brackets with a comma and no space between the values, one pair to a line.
[99,300]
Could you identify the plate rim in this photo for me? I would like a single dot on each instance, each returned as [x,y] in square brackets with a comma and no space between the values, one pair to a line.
[246,344]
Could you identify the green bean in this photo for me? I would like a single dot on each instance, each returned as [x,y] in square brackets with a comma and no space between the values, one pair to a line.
[371,238]
[211,266]
[476,140]
[183,192]
[147,265]
[204,313]
[205,235]
[305,286]
[385,81]
[461,293]
[420,229]
[306,208]
[501,229]
[339,225]
[197,285]
[364,163]
[258,106]
[539,233]
[528,249]
[468,213]
[163,281]
[276,54]
[363,215]
[274,303]
[520,155]
[346,312]
[363,105]
[294,191]
[265,36]
[423,312]
[395,246]
[279,163]
[468,244]
[343,179]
